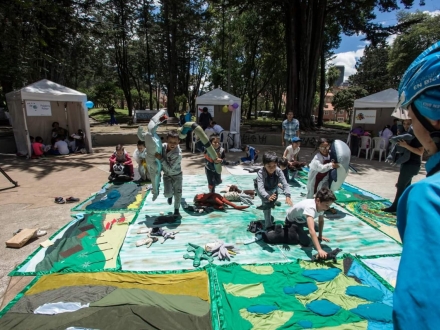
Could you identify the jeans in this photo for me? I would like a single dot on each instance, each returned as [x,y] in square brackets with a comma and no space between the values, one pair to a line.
[407,172]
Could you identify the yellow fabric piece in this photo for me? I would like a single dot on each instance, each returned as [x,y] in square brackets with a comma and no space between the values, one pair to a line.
[137,203]
[334,291]
[111,240]
[244,290]
[192,284]
[362,325]
[262,270]
[269,321]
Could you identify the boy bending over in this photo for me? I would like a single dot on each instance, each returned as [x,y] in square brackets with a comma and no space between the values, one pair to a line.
[304,214]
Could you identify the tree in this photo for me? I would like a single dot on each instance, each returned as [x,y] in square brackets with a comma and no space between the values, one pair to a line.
[344,99]
[412,41]
[372,73]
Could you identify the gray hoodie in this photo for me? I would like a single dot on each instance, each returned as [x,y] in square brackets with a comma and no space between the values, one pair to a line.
[266,183]
[171,161]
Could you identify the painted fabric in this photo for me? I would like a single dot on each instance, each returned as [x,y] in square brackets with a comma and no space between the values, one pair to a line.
[385,267]
[90,243]
[327,307]
[371,210]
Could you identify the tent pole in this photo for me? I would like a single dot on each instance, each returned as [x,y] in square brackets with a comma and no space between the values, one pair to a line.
[28,140]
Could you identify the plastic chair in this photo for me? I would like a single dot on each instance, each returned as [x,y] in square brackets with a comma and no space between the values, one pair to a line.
[365,145]
[379,145]
[224,140]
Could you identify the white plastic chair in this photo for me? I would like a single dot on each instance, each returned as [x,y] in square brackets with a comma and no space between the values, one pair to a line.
[379,145]
[224,140]
[365,145]
[193,142]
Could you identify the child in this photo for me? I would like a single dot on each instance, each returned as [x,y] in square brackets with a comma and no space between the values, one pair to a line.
[319,168]
[79,141]
[267,182]
[60,147]
[72,144]
[121,165]
[304,214]
[140,156]
[214,178]
[282,164]
[251,154]
[37,147]
[171,160]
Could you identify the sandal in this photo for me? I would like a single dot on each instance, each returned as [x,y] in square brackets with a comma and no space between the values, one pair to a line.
[60,200]
[72,200]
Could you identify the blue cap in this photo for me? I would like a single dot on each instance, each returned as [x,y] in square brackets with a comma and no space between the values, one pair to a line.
[417,85]
[296,139]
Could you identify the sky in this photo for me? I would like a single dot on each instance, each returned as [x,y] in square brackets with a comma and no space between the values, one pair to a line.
[352,48]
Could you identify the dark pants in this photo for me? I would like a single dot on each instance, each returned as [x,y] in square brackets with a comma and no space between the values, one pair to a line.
[188,141]
[354,145]
[302,231]
[112,120]
[407,172]
[214,179]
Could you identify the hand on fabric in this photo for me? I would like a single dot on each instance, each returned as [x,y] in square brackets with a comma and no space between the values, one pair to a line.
[322,254]
[272,197]
[158,155]
[218,160]
[335,165]
[289,201]
[280,185]
[323,238]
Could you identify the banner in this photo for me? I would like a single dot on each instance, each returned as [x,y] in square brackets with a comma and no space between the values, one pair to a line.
[200,109]
[38,108]
[365,117]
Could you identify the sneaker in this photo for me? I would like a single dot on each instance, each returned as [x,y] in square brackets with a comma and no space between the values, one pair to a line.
[39,233]
[170,200]
[60,200]
[176,212]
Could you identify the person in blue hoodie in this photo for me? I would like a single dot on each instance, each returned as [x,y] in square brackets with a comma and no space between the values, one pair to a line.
[416,297]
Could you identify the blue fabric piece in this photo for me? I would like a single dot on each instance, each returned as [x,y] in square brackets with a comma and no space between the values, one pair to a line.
[376,312]
[365,292]
[373,325]
[323,307]
[107,203]
[322,275]
[416,296]
[302,289]
[367,279]
[261,309]
[305,324]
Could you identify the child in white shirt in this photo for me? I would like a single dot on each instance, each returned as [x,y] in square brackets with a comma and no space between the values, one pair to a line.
[304,213]
[140,156]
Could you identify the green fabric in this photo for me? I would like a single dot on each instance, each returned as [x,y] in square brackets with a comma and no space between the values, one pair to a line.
[83,294]
[285,275]
[263,270]
[173,303]
[371,210]
[244,290]
[272,320]
[109,318]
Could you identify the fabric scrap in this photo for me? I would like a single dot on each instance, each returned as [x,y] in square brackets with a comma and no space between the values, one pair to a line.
[262,309]
[85,228]
[83,234]
[72,250]
[322,275]
[59,308]
[244,290]
[323,307]
[46,243]
[262,270]
[273,320]
[365,292]
[302,289]
[305,324]
[375,312]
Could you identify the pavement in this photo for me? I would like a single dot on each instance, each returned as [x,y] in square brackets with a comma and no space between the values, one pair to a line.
[31,204]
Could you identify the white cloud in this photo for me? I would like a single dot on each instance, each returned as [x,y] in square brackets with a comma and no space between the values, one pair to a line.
[391,38]
[348,60]
[433,13]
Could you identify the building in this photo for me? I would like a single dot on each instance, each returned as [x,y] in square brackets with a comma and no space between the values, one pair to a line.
[329,112]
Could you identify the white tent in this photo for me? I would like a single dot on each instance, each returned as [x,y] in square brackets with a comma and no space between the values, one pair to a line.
[230,121]
[374,111]
[34,108]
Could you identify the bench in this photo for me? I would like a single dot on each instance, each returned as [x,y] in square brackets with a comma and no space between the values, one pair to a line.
[143,115]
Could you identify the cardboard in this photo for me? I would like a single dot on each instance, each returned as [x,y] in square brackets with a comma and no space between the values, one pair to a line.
[21,238]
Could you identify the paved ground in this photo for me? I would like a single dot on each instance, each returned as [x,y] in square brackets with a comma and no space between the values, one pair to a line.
[31,205]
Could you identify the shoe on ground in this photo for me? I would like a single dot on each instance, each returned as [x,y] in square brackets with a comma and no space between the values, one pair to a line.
[389,210]
[72,199]
[39,233]
[60,200]
[170,200]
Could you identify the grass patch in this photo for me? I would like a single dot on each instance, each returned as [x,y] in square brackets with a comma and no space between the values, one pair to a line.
[335,124]
[263,122]
[102,115]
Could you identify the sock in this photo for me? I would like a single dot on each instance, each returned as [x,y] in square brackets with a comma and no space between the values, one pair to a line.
[170,200]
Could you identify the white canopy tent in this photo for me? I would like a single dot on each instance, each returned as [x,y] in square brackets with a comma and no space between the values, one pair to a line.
[52,102]
[229,121]
[374,111]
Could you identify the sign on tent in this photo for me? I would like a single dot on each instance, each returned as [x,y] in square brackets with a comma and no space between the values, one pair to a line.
[38,108]
[365,117]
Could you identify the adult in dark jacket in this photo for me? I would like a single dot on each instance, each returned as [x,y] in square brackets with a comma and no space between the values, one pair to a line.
[205,118]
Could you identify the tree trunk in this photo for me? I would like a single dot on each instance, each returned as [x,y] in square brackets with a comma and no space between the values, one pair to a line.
[321,92]
[305,21]
[150,85]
